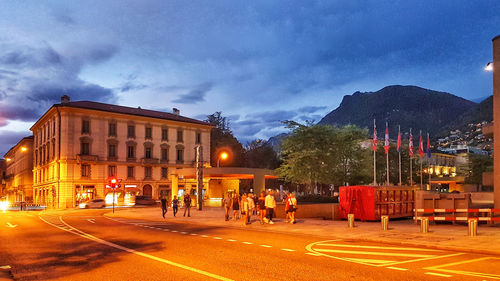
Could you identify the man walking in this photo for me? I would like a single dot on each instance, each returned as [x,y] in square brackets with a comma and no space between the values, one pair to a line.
[270,205]
[251,207]
[164,206]
[175,205]
[187,204]
[227,203]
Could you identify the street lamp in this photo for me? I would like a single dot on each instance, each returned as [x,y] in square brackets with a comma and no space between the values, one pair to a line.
[24,148]
[223,155]
[489,67]
[8,159]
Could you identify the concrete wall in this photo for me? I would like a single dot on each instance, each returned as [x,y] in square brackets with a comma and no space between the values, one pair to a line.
[327,211]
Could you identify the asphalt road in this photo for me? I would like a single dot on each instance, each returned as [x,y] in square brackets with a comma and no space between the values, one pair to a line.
[85,245]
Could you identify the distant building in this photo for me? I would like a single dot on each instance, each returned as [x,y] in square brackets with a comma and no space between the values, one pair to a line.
[19,171]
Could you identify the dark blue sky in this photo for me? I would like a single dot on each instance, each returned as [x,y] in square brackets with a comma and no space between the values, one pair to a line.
[259,62]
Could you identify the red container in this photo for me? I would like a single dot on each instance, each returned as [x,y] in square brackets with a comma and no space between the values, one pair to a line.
[372,202]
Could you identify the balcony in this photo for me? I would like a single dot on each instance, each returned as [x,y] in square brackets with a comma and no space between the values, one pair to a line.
[87,158]
[150,160]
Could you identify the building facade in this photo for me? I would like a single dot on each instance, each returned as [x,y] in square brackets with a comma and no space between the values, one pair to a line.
[18,176]
[79,145]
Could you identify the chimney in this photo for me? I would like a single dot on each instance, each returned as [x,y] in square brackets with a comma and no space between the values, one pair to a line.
[176,111]
[64,99]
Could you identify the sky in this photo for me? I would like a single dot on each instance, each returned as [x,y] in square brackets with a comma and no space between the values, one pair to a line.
[258,62]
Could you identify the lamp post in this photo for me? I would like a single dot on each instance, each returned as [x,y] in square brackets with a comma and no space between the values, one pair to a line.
[224,156]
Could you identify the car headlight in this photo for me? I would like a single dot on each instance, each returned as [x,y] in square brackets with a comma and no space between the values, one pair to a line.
[82,205]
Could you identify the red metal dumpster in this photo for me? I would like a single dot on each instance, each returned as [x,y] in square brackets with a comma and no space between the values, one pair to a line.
[371,202]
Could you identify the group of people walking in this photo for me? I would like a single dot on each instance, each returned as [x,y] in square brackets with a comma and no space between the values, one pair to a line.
[264,206]
[175,205]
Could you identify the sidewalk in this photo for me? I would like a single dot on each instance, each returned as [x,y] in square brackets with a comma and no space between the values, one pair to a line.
[402,232]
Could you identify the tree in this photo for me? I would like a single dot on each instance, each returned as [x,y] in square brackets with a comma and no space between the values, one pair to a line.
[222,139]
[260,154]
[478,165]
[322,154]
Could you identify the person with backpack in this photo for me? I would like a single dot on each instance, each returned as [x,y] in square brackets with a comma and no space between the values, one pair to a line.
[261,205]
[175,205]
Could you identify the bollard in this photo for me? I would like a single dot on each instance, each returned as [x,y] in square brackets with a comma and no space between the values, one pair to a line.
[350,220]
[385,222]
[472,229]
[424,225]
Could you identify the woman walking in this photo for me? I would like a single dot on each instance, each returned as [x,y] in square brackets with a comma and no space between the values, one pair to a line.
[261,205]
[292,207]
[236,206]
[244,209]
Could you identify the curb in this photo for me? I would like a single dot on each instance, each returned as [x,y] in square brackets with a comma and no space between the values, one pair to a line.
[437,247]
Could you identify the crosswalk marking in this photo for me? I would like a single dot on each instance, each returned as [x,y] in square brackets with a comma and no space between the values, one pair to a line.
[374,253]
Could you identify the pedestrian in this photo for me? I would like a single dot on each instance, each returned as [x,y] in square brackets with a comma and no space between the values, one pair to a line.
[251,207]
[287,207]
[262,206]
[270,205]
[163,205]
[175,205]
[187,204]
[236,206]
[227,205]
[292,207]
[255,203]
[244,209]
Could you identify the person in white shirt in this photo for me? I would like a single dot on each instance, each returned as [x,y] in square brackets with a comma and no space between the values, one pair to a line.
[292,207]
[270,205]
[251,207]
[244,209]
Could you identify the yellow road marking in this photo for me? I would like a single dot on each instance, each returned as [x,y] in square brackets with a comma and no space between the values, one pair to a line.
[438,274]
[266,246]
[424,259]
[375,247]
[101,241]
[369,260]
[397,268]
[288,250]
[462,272]
[374,253]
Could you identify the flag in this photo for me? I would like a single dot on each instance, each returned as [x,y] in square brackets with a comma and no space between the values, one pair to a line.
[386,143]
[421,146]
[399,140]
[428,147]
[374,136]
[410,145]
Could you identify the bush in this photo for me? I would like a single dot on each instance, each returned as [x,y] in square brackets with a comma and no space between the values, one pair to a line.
[311,198]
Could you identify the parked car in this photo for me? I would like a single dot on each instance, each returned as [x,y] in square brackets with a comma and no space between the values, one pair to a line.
[144,200]
[96,203]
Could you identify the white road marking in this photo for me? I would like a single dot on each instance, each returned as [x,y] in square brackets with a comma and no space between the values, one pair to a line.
[175,231]
[217,238]
[183,232]
[11,225]
[5,267]
[398,268]
[91,220]
[204,236]
[248,243]
[231,240]
[265,246]
[132,251]
[194,234]
[288,250]
[438,274]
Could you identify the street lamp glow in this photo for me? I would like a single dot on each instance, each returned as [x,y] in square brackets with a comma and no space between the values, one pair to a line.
[224,155]
[4,205]
[8,159]
[489,67]
[24,148]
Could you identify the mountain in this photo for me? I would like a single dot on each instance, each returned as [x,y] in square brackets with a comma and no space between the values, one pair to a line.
[477,114]
[408,106]
[275,142]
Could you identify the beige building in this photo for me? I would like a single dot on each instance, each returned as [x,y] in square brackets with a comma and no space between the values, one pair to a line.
[79,145]
[18,174]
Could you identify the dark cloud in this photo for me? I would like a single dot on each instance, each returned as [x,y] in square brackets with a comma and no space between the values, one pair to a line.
[80,91]
[195,95]
[9,139]
[311,109]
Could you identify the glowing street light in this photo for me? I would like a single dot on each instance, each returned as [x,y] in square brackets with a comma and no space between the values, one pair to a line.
[24,148]
[489,67]
[8,159]
[224,156]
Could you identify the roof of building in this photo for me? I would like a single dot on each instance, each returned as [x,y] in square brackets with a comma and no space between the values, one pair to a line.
[131,111]
[25,138]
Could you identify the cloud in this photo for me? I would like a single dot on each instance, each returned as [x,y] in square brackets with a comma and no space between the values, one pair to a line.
[195,95]
[9,139]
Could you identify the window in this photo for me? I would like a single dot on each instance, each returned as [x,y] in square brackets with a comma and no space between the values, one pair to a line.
[179,136]
[111,171]
[198,137]
[85,126]
[85,170]
[112,150]
[130,172]
[164,172]
[148,172]
[85,148]
[180,155]
[36,157]
[164,134]
[130,151]
[53,149]
[164,154]
[131,131]
[149,133]
[147,153]
[54,127]
[112,129]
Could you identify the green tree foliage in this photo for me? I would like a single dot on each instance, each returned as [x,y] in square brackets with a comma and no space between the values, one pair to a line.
[259,154]
[222,139]
[324,154]
[478,165]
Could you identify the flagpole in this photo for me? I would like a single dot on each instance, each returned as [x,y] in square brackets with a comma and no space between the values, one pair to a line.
[410,152]
[429,159]
[420,147]
[399,152]
[374,153]
[387,152]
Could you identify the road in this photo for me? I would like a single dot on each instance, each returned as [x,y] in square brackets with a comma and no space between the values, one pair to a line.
[85,245]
